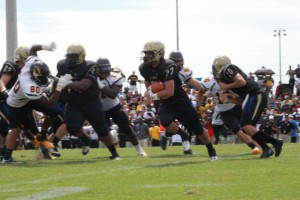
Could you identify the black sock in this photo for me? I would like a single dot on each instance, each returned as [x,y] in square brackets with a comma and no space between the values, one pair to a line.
[251,145]
[113,151]
[209,146]
[8,153]
[56,140]
[2,151]
[184,135]
[268,138]
[260,140]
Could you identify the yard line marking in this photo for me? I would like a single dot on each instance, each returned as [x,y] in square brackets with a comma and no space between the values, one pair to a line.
[182,185]
[51,194]
[37,181]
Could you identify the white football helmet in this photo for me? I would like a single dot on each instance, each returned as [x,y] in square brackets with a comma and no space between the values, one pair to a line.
[75,54]
[219,63]
[156,47]
[21,54]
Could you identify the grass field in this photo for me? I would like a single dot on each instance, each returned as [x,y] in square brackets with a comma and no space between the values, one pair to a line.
[162,175]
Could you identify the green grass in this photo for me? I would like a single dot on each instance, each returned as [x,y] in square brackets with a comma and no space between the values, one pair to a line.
[162,175]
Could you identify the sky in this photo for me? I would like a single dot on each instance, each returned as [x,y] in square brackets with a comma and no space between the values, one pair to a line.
[118,30]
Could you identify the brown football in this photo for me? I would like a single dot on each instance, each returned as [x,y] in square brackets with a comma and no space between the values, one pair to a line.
[157,86]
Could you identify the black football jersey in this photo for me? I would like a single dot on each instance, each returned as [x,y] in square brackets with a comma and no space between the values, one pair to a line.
[227,75]
[86,70]
[167,70]
[11,68]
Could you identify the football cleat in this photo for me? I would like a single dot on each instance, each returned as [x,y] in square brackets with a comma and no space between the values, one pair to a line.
[85,150]
[115,158]
[267,153]
[11,160]
[256,151]
[54,152]
[214,158]
[278,147]
[142,153]
[188,152]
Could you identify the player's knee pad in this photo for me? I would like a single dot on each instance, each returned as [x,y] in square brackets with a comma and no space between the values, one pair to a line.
[196,127]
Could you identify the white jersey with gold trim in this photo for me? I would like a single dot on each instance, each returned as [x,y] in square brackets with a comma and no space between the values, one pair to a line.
[112,79]
[210,84]
[25,89]
[185,74]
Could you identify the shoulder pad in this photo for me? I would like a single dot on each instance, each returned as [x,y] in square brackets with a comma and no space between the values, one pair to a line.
[185,74]
[208,82]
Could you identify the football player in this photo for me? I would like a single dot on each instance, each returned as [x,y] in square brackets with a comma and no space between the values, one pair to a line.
[230,77]
[26,96]
[82,98]
[228,114]
[174,103]
[8,76]
[110,84]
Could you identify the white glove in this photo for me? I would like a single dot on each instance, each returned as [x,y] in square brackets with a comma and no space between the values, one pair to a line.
[50,47]
[152,95]
[100,84]
[63,81]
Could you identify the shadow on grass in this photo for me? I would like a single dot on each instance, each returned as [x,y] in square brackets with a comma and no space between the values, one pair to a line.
[57,161]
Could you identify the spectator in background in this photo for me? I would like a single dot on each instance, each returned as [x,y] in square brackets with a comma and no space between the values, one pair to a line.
[294,128]
[291,74]
[133,79]
[297,71]
[154,132]
[285,129]
[297,85]
[142,131]
[268,83]
[286,104]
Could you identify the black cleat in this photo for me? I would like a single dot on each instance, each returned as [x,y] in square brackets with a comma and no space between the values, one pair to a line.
[163,142]
[85,150]
[54,152]
[278,147]
[11,160]
[115,158]
[188,152]
[267,153]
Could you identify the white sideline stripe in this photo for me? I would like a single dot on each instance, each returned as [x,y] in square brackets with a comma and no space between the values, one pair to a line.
[182,185]
[37,181]
[50,194]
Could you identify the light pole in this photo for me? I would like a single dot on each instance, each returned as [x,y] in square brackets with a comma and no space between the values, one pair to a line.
[177,26]
[279,32]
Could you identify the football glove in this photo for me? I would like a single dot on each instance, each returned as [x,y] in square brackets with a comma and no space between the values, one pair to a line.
[153,96]
[50,47]
[63,81]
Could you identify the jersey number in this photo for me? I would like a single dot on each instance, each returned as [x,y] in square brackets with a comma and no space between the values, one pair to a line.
[33,89]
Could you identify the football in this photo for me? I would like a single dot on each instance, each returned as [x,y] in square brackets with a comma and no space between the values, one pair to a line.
[157,87]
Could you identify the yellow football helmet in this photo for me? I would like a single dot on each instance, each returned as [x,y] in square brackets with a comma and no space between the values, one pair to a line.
[75,54]
[156,47]
[21,54]
[219,63]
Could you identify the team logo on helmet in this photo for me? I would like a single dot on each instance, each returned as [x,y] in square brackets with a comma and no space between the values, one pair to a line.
[21,54]
[40,73]
[219,63]
[75,54]
[157,48]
